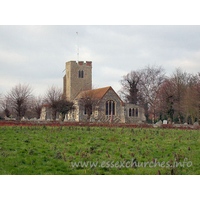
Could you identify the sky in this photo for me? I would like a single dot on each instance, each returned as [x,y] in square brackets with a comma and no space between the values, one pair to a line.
[36,55]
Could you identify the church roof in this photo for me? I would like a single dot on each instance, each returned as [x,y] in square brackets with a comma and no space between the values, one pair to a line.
[96,93]
[46,105]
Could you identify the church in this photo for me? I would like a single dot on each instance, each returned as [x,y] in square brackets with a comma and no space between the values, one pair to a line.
[106,105]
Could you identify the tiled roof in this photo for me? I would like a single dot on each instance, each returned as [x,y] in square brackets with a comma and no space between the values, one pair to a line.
[46,105]
[96,93]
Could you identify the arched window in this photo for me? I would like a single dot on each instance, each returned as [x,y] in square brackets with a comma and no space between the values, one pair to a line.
[129,112]
[133,112]
[106,107]
[136,112]
[110,107]
[80,74]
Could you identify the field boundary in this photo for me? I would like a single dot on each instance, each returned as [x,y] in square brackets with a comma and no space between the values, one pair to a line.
[95,124]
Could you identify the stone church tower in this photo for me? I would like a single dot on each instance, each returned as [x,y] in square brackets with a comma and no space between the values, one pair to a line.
[78,77]
[107,106]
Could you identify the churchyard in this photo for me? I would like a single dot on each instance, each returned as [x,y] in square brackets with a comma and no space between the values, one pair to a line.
[45,150]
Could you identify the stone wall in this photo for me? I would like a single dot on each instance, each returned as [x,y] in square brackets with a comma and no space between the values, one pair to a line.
[134,119]
[64,86]
[46,113]
[73,84]
[99,112]
[118,117]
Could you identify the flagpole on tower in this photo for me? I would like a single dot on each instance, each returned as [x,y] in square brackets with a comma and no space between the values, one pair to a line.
[77,47]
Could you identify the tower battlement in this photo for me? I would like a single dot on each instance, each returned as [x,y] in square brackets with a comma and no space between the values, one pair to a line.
[87,63]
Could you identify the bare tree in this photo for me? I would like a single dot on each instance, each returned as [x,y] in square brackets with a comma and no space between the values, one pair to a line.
[88,102]
[36,106]
[64,106]
[52,98]
[180,82]
[151,79]
[191,99]
[165,104]
[179,98]
[19,99]
[142,86]
[129,91]
[5,106]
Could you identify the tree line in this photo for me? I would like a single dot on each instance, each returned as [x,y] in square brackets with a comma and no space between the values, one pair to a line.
[20,102]
[175,98]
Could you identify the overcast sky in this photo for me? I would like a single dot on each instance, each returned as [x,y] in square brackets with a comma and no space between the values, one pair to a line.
[36,55]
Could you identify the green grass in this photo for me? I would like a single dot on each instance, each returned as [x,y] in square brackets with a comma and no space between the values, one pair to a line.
[50,150]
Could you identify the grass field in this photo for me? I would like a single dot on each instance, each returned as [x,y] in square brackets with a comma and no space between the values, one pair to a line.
[51,150]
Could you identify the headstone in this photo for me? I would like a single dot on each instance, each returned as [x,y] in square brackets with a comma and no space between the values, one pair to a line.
[159,122]
[24,119]
[164,121]
[169,120]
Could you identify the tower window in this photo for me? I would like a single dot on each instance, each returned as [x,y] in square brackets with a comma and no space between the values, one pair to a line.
[80,74]
[110,107]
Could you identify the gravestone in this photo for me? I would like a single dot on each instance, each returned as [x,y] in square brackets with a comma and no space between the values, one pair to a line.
[159,122]
[164,121]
